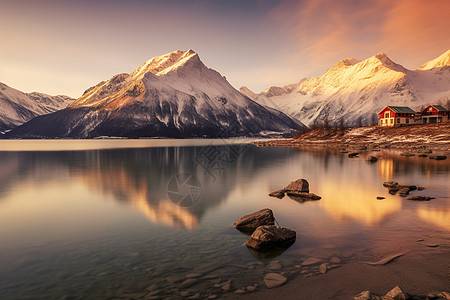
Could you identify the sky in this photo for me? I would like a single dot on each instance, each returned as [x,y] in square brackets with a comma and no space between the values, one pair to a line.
[67,46]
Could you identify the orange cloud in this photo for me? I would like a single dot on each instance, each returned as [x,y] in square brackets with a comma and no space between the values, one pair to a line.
[412,31]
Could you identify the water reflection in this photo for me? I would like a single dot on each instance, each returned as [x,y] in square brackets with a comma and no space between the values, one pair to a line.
[438,216]
[117,200]
[138,177]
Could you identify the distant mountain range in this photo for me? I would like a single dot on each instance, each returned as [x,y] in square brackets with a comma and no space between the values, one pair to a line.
[177,96]
[17,107]
[354,91]
[173,95]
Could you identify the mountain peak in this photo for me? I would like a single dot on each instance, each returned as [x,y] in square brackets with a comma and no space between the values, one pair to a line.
[441,61]
[385,61]
[161,65]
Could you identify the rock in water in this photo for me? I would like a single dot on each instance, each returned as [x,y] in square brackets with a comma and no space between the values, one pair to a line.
[397,294]
[389,184]
[372,159]
[355,154]
[311,261]
[438,157]
[269,236]
[274,280]
[278,194]
[300,185]
[419,198]
[250,222]
[304,195]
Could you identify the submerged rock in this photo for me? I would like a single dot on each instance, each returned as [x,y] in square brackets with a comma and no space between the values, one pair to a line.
[270,236]
[311,261]
[250,222]
[274,280]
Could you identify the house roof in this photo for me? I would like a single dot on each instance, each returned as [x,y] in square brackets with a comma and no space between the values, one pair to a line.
[440,108]
[400,109]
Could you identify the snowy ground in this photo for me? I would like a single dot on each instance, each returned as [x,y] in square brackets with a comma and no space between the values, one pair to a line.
[434,137]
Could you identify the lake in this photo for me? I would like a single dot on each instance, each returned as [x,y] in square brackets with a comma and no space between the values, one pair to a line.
[151,219]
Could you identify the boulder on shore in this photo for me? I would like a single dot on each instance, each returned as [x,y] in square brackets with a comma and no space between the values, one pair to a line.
[299,185]
[250,222]
[270,236]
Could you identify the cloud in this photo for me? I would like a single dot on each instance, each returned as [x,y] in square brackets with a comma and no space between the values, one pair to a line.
[325,31]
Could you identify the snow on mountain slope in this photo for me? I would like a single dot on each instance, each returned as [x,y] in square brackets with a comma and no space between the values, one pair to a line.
[441,61]
[173,95]
[17,107]
[354,91]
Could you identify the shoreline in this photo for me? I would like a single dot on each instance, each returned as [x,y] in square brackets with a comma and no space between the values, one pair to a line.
[417,274]
[415,139]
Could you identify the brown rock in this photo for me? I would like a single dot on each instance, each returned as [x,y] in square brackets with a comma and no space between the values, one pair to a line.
[367,295]
[419,198]
[278,194]
[390,183]
[250,222]
[300,185]
[372,159]
[274,280]
[438,157]
[304,195]
[397,294]
[269,236]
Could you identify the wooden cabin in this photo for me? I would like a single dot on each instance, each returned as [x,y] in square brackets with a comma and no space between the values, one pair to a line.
[396,116]
[434,114]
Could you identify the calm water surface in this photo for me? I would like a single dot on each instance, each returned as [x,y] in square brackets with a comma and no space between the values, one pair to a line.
[152,219]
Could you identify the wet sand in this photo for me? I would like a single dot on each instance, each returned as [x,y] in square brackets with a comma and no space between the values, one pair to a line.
[415,273]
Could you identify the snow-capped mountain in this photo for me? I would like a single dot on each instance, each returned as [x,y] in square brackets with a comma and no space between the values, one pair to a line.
[355,91]
[173,95]
[17,107]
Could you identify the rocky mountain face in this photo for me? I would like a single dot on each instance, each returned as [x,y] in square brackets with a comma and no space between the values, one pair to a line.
[17,107]
[354,91]
[174,95]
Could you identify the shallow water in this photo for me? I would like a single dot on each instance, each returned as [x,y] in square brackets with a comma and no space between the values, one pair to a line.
[106,219]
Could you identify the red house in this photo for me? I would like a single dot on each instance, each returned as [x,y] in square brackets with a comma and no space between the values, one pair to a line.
[434,114]
[396,116]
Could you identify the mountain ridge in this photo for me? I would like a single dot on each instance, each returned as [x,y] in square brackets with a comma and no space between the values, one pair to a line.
[172,95]
[353,91]
[17,107]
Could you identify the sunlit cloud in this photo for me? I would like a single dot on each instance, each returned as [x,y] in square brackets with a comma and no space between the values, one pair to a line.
[410,31]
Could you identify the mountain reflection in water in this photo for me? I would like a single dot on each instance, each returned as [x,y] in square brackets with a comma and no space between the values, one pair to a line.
[104,222]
